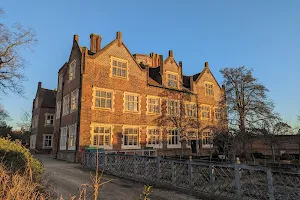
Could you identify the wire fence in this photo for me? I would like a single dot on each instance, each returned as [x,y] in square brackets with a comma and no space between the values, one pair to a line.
[215,180]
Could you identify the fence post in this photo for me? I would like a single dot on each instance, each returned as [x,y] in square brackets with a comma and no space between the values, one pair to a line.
[134,167]
[211,178]
[237,177]
[105,162]
[158,168]
[173,173]
[270,184]
[190,175]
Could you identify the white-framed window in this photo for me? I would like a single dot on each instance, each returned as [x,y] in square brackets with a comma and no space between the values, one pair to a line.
[173,138]
[63,138]
[47,142]
[60,81]
[131,137]
[153,137]
[218,113]
[172,80]
[49,119]
[207,139]
[132,102]
[119,67]
[102,136]
[72,70]
[36,102]
[209,91]
[35,121]
[153,104]
[191,135]
[66,105]
[72,137]
[32,141]
[205,112]
[173,107]
[74,100]
[103,98]
[191,109]
[58,109]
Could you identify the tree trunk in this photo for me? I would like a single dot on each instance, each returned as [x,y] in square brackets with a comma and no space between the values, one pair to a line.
[273,153]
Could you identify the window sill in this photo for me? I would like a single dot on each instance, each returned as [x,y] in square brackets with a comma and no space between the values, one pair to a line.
[131,112]
[109,147]
[155,146]
[130,147]
[169,146]
[103,109]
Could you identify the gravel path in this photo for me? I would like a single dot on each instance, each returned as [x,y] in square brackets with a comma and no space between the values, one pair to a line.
[67,179]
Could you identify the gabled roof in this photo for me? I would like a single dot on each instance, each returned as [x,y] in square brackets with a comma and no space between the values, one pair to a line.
[196,77]
[186,81]
[154,73]
[49,98]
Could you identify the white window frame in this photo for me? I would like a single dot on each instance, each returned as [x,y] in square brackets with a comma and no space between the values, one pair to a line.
[204,110]
[191,109]
[95,97]
[63,138]
[170,136]
[149,104]
[156,137]
[190,137]
[46,119]
[173,79]
[176,111]
[220,113]
[204,136]
[209,88]
[74,100]
[138,102]
[112,66]
[66,105]
[73,134]
[60,81]
[72,70]
[44,141]
[127,146]
[58,109]
[110,135]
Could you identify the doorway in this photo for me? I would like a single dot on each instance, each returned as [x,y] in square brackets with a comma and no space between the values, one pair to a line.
[194,146]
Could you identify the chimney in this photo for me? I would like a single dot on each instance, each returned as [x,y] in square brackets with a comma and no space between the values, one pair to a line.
[206,65]
[76,38]
[95,41]
[119,38]
[39,85]
[180,64]
[171,53]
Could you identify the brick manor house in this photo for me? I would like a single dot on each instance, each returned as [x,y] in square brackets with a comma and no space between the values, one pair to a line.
[115,100]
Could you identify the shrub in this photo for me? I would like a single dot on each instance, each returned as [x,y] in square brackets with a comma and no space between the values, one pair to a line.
[17,158]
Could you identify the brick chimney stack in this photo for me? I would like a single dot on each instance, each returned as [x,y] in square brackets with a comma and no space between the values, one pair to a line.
[95,43]
[76,38]
[171,53]
[119,38]
[39,85]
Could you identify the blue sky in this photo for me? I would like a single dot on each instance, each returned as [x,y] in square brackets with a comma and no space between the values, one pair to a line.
[262,35]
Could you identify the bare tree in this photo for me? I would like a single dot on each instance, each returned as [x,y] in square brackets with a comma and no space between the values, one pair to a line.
[25,120]
[3,116]
[12,41]
[246,100]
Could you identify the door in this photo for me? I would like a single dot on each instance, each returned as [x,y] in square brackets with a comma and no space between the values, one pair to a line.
[194,146]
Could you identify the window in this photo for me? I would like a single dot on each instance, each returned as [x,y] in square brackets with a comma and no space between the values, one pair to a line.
[205,112]
[58,109]
[49,119]
[153,105]
[131,102]
[131,137]
[72,70]
[119,68]
[153,137]
[47,141]
[35,121]
[191,110]
[102,136]
[206,139]
[66,105]
[74,100]
[60,80]
[173,138]
[172,80]
[63,138]
[209,89]
[172,107]
[72,137]
[36,103]
[103,99]
[218,113]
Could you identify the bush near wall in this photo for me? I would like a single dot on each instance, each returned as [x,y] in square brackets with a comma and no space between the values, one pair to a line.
[17,158]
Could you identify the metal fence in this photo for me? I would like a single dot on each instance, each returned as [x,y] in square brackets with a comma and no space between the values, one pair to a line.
[226,181]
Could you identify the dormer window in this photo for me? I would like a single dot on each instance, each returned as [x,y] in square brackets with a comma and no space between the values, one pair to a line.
[119,67]
[172,80]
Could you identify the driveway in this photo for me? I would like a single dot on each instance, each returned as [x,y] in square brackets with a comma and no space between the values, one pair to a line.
[68,178]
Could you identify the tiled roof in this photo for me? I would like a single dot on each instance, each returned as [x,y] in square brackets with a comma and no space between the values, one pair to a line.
[186,81]
[154,73]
